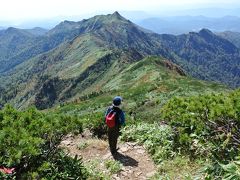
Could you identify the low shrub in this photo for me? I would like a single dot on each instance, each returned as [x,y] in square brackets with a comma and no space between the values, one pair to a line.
[206,124]
[95,122]
[158,139]
[113,166]
[30,137]
[59,166]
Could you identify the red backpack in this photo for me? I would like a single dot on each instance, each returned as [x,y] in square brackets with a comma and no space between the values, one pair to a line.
[111,119]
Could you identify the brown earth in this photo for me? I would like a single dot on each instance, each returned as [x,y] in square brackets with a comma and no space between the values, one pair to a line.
[136,162]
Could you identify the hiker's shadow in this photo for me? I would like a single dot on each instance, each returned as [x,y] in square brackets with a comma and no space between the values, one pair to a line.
[125,160]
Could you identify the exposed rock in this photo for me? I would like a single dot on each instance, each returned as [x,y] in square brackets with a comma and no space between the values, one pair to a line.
[138,173]
[140,151]
[130,172]
[115,176]
[124,149]
[150,174]
[124,173]
[131,143]
[67,142]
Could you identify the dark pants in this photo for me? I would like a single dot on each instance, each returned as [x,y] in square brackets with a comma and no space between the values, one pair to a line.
[113,134]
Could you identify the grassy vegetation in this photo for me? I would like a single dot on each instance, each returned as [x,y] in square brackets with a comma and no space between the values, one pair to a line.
[188,126]
[113,166]
[29,141]
[180,167]
[145,87]
[157,139]
[95,54]
[177,138]
[197,140]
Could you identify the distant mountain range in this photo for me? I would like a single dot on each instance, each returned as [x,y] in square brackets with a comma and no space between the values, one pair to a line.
[185,24]
[206,56]
[78,58]
[37,31]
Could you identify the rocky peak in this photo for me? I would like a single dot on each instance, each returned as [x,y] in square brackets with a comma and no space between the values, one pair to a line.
[117,15]
[206,33]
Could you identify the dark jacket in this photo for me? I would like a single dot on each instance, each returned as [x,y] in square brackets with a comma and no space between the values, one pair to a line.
[120,116]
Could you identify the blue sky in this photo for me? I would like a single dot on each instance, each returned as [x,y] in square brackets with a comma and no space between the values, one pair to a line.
[23,10]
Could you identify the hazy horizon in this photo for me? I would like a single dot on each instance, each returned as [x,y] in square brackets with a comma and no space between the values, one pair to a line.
[27,14]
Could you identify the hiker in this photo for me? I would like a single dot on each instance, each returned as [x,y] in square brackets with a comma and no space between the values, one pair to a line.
[114,118]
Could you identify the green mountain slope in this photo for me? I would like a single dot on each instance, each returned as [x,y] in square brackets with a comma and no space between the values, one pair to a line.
[113,29]
[23,82]
[203,49]
[211,57]
[145,85]
[104,40]
[206,56]
[12,42]
[37,31]
[233,37]
[78,58]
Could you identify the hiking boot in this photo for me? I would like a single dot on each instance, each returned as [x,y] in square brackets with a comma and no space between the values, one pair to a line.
[114,151]
[115,155]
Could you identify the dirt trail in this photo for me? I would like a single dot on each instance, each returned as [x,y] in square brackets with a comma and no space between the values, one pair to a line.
[136,163]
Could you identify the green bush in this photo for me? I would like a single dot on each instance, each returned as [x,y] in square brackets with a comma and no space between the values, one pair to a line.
[158,139]
[228,171]
[206,124]
[232,170]
[27,138]
[60,166]
[95,123]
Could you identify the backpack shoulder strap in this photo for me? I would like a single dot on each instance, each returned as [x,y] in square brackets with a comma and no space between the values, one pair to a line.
[109,110]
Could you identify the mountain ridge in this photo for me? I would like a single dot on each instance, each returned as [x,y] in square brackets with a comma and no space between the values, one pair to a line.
[233,37]
[76,55]
[205,50]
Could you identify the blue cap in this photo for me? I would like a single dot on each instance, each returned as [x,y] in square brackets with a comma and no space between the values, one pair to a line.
[117,101]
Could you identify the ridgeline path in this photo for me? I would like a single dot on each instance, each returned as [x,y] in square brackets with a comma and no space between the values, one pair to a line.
[136,162]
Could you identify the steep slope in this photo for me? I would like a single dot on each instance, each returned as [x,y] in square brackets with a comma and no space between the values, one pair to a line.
[38,45]
[145,86]
[75,64]
[98,42]
[78,58]
[37,31]
[206,56]
[233,37]
[115,30]
[30,75]
[13,41]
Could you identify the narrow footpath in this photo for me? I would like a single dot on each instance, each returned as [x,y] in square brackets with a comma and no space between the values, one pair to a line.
[134,160]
